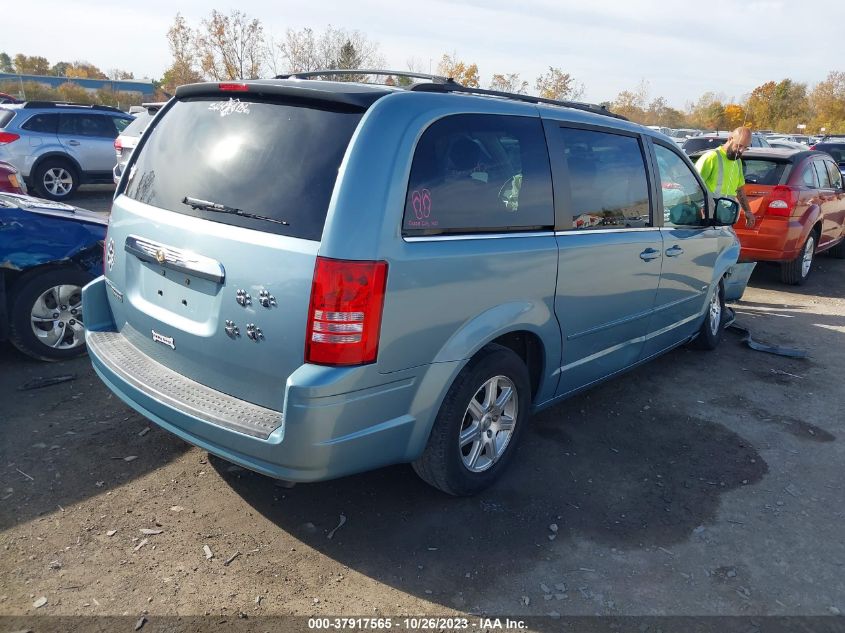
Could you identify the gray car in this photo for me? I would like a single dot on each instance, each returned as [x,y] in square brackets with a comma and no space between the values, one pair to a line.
[58,146]
[312,278]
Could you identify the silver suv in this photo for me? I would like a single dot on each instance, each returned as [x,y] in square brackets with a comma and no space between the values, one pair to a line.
[58,146]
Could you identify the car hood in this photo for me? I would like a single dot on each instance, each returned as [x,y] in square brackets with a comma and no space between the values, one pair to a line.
[53,209]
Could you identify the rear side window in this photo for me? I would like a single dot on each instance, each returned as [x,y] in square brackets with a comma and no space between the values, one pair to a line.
[608,182]
[835,174]
[821,173]
[87,125]
[44,123]
[474,173]
[763,172]
[120,123]
[265,158]
[808,176]
[138,125]
[5,117]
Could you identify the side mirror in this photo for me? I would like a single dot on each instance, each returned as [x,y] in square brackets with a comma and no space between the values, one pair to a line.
[727,212]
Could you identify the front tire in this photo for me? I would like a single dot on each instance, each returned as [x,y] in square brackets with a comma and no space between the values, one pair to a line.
[710,334]
[56,179]
[795,273]
[46,320]
[479,424]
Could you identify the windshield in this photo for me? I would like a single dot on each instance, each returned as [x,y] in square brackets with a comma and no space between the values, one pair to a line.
[273,159]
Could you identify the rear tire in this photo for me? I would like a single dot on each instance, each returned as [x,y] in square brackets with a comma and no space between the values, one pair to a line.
[710,334]
[56,179]
[45,318]
[795,273]
[479,424]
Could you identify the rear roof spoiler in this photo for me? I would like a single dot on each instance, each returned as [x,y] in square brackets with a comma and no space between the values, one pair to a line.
[358,99]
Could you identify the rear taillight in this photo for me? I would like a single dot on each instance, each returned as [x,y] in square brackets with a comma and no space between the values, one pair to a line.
[118,146]
[812,147]
[344,316]
[782,201]
[8,137]
[230,87]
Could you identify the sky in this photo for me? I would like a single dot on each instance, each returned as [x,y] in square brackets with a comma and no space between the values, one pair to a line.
[681,49]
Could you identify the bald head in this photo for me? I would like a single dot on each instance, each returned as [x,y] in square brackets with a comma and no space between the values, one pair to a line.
[742,135]
[738,141]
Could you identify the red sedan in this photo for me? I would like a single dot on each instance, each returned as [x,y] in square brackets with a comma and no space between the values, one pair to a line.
[798,202]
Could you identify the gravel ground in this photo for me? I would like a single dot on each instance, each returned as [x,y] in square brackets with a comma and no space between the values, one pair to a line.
[702,483]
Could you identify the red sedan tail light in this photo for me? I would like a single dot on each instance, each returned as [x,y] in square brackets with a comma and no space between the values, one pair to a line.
[783,201]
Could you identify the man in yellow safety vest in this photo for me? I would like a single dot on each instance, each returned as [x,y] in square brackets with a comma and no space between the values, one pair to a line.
[721,170]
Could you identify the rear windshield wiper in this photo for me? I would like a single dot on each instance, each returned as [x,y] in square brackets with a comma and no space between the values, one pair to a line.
[205,205]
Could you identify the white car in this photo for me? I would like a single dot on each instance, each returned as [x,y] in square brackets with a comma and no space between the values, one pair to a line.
[126,142]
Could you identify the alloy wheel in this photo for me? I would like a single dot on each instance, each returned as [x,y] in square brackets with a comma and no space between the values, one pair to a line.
[807,260]
[715,313]
[56,317]
[58,181]
[488,424]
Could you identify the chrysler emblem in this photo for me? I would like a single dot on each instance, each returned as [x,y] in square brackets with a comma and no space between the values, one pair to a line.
[160,256]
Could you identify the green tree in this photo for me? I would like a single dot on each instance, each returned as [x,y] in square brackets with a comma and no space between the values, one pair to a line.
[231,46]
[84,70]
[827,100]
[708,113]
[75,93]
[509,83]
[6,64]
[30,90]
[59,69]
[182,70]
[348,58]
[558,85]
[26,65]
[465,74]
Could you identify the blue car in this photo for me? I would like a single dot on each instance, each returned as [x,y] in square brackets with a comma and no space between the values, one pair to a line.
[313,278]
[48,252]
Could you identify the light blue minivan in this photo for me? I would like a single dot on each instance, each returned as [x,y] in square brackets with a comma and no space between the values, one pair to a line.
[315,278]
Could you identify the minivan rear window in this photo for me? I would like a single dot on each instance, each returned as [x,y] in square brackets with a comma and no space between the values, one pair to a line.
[272,159]
[763,172]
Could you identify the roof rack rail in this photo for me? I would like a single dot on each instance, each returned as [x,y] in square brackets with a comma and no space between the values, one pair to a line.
[63,104]
[447,84]
[577,105]
[436,79]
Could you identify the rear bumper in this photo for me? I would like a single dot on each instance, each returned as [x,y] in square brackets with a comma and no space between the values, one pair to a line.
[772,240]
[323,432]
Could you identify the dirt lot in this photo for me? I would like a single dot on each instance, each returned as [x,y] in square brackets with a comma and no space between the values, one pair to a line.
[703,483]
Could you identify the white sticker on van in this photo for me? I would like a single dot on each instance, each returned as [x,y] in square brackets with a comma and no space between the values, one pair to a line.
[232,106]
[160,338]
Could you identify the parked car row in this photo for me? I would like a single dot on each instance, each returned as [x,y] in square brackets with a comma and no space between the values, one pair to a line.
[56,146]
[332,352]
